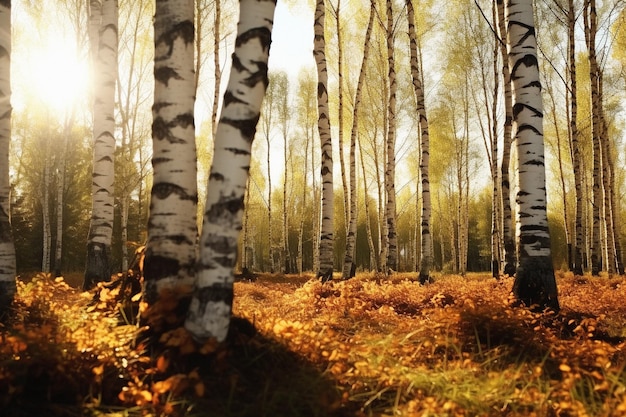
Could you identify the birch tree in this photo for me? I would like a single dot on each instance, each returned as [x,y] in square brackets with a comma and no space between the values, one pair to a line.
[170,257]
[97,266]
[390,171]
[349,265]
[510,255]
[7,247]
[325,272]
[534,284]
[425,236]
[211,303]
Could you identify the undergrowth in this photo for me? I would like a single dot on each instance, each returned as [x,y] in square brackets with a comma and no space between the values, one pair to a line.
[370,346]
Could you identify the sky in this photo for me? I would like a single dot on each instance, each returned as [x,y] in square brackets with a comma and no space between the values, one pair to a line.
[292,38]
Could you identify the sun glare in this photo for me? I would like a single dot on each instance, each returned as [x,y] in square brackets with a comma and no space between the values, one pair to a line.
[54,76]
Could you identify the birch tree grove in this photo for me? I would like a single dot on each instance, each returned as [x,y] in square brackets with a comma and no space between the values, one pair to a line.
[7,248]
[534,284]
[101,229]
[210,309]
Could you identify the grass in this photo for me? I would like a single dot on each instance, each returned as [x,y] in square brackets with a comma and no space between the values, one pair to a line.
[371,346]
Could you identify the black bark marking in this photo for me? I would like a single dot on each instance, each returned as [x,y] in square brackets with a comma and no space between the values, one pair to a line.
[519,107]
[106,158]
[163,130]
[537,162]
[258,76]
[216,176]
[156,107]
[214,294]
[164,74]
[230,98]
[247,127]
[262,33]
[237,65]
[237,151]
[157,267]
[184,30]
[161,160]
[225,209]
[163,190]
[528,60]
[530,30]
[321,89]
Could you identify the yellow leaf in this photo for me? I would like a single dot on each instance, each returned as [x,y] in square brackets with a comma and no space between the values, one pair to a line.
[565,368]
[98,370]
[162,363]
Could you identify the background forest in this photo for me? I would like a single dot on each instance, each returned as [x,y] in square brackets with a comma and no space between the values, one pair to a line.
[52,136]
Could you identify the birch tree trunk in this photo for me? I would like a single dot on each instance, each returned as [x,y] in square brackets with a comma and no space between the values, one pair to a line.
[390,172]
[496,198]
[45,212]
[534,284]
[426,256]
[97,266]
[169,265]
[349,266]
[510,256]
[342,162]
[325,272]
[58,254]
[211,303]
[589,14]
[7,247]
[374,262]
[579,237]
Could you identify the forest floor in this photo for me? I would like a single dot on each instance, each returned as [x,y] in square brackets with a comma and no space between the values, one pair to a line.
[370,346]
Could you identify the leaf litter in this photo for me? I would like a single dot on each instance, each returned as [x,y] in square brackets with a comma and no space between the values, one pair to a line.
[370,346]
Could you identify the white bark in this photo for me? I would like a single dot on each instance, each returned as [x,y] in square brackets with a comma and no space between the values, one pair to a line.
[534,283]
[172,230]
[325,271]
[101,228]
[210,309]
[7,247]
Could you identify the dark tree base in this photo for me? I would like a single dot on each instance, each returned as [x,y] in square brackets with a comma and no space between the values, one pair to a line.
[509,269]
[423,277]
[535,284]
[7,293]
[325,276]
[495,269]
[97,268]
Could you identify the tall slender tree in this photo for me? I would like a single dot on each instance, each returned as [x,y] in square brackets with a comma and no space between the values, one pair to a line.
[590,26]
[510,253]
[390,171]
[534,284]
[426,239]
[210,309]
[349,266]
[169,265]
[325,272]
[7,247]
[97,266]
[579,233]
